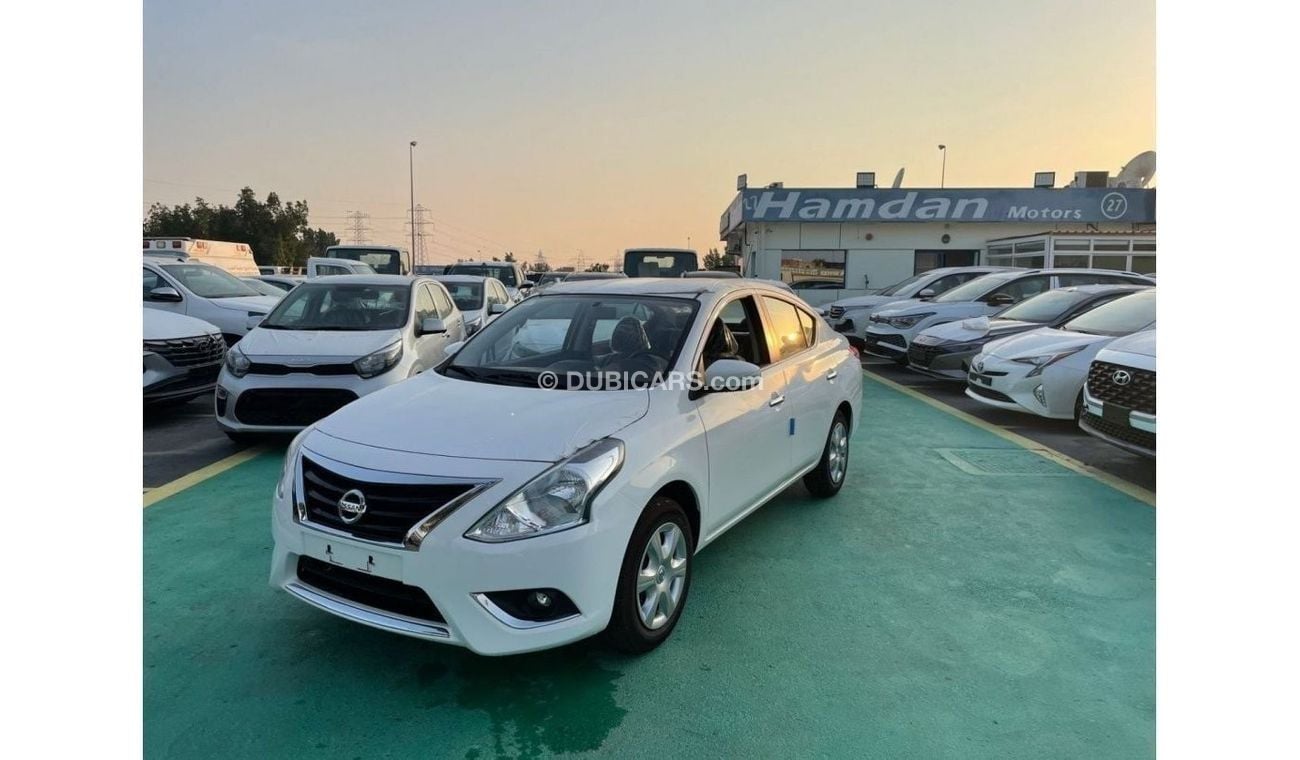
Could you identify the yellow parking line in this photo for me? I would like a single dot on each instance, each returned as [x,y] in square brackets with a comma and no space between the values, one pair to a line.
[154,495]
[1138,492]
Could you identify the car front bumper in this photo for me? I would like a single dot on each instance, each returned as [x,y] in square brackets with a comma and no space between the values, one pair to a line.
[456,573]
[886,342]
[1128,429]
[164,381]
[938,362]
[1006,384]
[312,397]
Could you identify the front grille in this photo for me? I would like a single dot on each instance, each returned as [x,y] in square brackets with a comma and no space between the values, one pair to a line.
[392,509]
[264,368]
[892,339]
[922,356]
[989,393]
[1120,432]
[1139,393]
[189,352]
[835,312]
[289,406]
[372,591]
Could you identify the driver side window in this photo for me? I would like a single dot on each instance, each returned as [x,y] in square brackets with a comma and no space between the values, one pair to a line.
[424,305]
[1024,288]
[151,281]
[739,318]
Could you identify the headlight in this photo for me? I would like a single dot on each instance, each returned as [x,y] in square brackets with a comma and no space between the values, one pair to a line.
[380,361]
[236,362]
[285,486]
[555,500]
[1042,361]
[909,320]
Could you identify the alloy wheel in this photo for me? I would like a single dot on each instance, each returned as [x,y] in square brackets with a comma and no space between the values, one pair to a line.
[661,577]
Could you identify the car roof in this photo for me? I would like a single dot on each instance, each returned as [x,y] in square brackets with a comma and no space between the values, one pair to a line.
[484,264]
[368,279]
[1105,288]
[458,277]
[663,286]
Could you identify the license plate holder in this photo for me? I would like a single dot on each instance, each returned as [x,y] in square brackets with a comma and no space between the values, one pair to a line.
[1114,413]
[364,560]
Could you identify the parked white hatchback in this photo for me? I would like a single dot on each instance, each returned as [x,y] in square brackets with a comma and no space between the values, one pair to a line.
[529,493]
[480,299]
[1042,371]
[330,341]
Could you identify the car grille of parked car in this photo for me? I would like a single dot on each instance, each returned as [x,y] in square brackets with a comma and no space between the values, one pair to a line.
[1138,393]
[892,339]
[921,356]
[392,509]
[370,590]
[189,352]
[835,312]
[1118,431]
[263,368]
[989,393]
[289,407]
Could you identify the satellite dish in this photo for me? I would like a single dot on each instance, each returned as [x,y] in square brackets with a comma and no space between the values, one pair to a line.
[898,178]
[1137,172]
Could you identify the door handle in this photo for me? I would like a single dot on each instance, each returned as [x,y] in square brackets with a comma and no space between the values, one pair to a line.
[776,400]
[832,374]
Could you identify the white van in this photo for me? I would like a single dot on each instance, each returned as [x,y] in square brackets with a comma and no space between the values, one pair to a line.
[236,258]
[320,266]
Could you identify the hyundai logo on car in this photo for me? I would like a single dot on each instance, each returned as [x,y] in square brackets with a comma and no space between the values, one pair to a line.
[352,505]
[1121,377]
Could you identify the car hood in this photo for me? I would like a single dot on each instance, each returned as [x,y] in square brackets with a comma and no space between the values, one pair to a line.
[977,328]
[954,310]
[260,304]
[1044,340]
[266,343]
[167,325]
[1143,343]
[433,414]
[860,302]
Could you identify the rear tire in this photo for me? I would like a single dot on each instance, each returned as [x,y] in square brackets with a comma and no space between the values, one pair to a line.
[826,479]
[654,580]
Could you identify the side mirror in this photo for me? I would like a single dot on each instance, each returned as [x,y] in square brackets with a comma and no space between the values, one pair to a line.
[165,294]
[731,375]
[432,326]
[451,348]
[527,285]
[254,320]
[926,295]
[1000,299]
[497,308]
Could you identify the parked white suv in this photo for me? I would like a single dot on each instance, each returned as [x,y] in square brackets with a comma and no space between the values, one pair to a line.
[1119,396]
[849,315]
[330,341]
[522,497]
[204,292]
[891,329]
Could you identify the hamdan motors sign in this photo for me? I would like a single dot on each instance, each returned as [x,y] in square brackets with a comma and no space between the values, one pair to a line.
[1104,204]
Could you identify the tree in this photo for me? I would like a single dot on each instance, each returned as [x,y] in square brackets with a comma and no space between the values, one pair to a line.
[278,232]
[714,260]
[510,256]
[598,267]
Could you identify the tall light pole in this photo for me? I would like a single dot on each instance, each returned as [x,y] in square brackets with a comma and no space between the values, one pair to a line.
[943,171]
[411,151]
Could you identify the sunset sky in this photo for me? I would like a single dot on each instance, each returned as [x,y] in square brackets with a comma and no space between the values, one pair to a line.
[596,126]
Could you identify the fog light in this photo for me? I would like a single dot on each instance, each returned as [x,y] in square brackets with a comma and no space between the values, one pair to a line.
[1040,395]
[540,599]
[537,605]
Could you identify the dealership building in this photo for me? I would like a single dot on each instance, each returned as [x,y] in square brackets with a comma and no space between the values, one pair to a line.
[835,242]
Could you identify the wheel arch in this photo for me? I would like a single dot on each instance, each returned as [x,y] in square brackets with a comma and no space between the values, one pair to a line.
[684,494]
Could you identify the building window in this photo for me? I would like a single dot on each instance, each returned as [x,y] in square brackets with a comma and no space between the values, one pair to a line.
[1143,264]
[1144,246]
[999,250]
[999,261]
[813,266]
[924,261]
[1072,245]
[1071,260]
[1110,245]
[1118,263]
[1031,246]
[1028,262]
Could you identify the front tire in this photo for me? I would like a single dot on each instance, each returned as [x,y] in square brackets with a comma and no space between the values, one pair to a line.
[825,480]
[654,579]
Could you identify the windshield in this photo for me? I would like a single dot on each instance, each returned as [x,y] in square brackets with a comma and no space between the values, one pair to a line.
[265,288]
[899,287]
[969,291]
[341,306]
[382,260]
[1045,307]
[208,281]
[467,295]
[503,272]
[575,336]
[1119,317]
[658,263]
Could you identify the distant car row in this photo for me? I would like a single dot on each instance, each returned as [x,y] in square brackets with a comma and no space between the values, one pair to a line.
[1025,340]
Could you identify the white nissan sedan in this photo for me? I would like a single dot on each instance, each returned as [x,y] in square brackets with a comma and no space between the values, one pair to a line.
[557,476]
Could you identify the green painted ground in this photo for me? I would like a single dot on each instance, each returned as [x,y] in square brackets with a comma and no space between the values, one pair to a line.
[924,612]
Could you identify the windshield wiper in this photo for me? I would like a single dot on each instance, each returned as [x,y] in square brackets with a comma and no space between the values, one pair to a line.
[471,374]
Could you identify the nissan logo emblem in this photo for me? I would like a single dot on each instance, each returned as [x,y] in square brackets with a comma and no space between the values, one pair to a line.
[352,505]
[1120,377]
